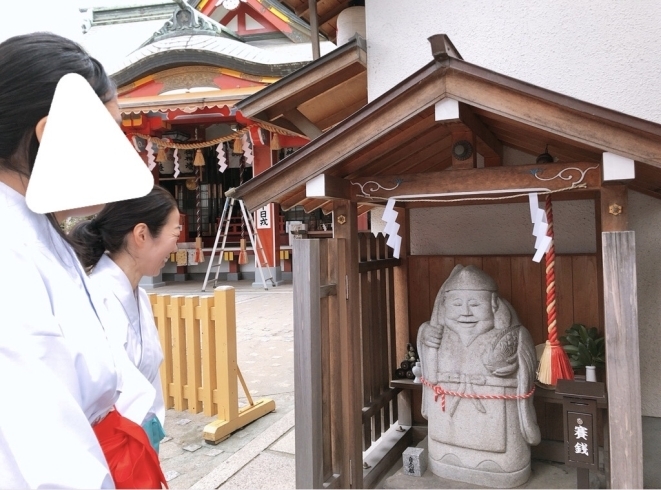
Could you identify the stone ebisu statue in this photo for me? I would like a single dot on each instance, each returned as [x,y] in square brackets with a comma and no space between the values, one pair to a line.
[478,370]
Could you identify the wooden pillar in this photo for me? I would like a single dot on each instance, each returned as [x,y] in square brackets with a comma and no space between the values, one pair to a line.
[314,28]
[270,235]
[622,359]
[345,228]
[404,399]
[307,359]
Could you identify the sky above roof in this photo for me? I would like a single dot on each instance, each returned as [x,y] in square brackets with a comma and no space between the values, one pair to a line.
[61,17]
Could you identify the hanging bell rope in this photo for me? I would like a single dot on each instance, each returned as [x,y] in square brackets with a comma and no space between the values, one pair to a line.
[198,163]
[243,252]
[554,363]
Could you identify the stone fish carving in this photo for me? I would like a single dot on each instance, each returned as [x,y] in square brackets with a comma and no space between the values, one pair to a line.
[478,370]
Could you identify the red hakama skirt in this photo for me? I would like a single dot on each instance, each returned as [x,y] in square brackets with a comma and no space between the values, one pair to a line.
[132,461]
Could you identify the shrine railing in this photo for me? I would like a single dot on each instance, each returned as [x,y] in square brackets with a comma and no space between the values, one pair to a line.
[377,323]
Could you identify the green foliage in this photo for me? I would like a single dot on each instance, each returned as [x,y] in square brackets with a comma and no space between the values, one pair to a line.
[584,346]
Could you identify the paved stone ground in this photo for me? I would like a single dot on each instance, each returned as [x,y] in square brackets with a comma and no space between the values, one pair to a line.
[263,450]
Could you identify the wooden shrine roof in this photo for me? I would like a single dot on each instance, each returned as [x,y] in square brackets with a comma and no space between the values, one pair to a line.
[398,133]
[316,97]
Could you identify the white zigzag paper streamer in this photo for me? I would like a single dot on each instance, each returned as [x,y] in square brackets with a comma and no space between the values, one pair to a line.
[246,147]
[151,157]
[392,228]
[540,227]
[222,157]
[134,139]
[176,163]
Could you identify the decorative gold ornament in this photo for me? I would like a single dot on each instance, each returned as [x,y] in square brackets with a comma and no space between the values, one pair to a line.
[615,209]
[191,184]
[341,219]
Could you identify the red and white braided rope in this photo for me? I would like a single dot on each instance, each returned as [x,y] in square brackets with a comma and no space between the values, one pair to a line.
[549,260]
[198,201]
[442,392]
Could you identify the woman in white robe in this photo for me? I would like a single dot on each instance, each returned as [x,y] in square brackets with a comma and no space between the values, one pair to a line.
[59,375]
[124,242]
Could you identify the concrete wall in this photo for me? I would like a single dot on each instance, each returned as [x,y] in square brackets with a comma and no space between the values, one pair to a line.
[599,51]
[602,52]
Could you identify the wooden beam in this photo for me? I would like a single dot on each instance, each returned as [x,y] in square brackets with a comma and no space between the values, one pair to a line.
[622,359]
[356,136]
[419,134]
[488,145]
[325,185]
[310,205]
[303,123]
[459,118]
[332,13]
[308,375]
[519,178]
[534,106]
[305,86]
[614,208]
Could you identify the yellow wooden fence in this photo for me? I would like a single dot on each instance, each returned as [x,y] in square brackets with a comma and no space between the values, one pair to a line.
[199,371]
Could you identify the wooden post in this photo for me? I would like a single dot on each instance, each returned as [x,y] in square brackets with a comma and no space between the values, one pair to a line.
[307,359]
[401,291]
[345,228]
[622,359]
[314,29]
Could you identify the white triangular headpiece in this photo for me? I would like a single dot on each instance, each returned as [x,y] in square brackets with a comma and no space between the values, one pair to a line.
[84,158]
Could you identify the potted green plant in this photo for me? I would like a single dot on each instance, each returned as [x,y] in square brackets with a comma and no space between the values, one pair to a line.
[585,348]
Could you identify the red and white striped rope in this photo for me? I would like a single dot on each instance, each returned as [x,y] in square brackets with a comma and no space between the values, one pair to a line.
[551,312]
[442,392]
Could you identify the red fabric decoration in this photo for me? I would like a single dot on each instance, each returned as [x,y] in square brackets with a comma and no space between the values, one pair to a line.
[132,461]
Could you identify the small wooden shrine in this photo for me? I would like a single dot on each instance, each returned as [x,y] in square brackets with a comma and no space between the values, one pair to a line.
[443,139]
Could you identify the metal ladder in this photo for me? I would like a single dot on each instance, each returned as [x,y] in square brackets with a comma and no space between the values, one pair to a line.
[256,244]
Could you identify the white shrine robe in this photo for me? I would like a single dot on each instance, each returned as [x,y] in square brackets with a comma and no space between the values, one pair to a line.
[58,371]
[137,334]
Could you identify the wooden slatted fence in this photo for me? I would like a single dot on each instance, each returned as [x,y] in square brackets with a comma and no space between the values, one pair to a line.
[377,323]
[187,327]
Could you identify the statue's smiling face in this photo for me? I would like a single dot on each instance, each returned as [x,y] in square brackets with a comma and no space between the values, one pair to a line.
[468,310]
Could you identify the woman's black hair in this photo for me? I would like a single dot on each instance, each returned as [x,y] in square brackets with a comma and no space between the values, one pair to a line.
[31,65]
[108,230]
